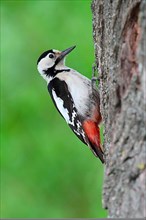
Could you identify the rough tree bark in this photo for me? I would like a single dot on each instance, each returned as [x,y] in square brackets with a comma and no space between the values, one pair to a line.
[119,32]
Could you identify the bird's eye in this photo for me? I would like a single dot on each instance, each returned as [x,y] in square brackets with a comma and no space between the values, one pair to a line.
[51,55]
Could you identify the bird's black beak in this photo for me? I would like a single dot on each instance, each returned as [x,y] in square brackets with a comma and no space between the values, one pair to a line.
[64,53]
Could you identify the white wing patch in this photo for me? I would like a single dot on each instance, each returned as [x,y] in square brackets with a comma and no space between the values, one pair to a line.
[72,118]
[59,104]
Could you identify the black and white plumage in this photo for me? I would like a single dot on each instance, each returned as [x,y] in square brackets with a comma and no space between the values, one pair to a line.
[74,97]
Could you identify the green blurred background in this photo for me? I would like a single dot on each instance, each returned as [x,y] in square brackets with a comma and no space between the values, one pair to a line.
[46,172]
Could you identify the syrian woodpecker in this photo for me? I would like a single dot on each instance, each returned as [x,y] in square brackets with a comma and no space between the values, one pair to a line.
[74,97]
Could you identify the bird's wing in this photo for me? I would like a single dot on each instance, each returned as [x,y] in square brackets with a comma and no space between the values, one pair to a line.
[64,103]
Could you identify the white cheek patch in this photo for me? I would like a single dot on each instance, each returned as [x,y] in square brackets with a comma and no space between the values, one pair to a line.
[59,104]
[45,64]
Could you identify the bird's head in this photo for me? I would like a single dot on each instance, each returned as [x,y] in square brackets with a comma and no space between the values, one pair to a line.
[51,60]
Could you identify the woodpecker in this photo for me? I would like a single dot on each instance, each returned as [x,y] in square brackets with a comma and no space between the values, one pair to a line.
[74,96]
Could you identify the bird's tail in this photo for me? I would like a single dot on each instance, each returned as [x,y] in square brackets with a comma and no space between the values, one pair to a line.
[93,133]
[97,152]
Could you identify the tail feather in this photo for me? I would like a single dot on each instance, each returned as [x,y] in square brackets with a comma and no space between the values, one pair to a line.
[97,152]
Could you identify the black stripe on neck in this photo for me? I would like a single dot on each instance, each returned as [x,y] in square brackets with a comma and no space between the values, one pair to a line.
[62,70]
[53,72]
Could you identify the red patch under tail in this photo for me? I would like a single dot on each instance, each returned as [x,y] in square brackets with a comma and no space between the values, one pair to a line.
[93,133]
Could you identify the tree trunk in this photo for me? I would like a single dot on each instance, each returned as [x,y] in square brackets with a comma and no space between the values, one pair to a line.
[119,32]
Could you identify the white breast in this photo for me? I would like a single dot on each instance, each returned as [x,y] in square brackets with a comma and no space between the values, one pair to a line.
[79,87]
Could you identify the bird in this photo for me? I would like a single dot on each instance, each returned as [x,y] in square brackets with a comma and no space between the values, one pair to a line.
[75,98]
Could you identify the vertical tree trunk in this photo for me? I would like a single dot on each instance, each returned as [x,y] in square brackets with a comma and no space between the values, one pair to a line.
[119,32]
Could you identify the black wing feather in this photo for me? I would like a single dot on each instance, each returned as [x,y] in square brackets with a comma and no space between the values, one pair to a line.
[61,89]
